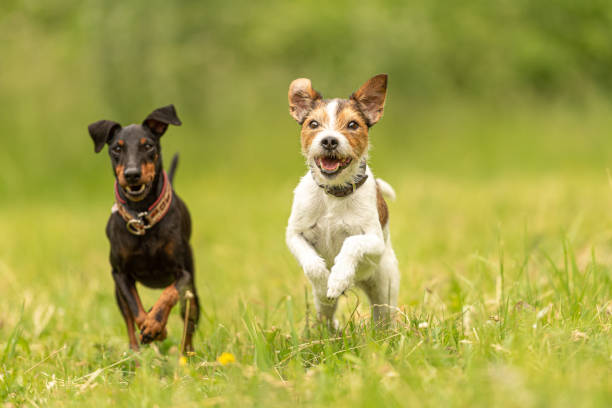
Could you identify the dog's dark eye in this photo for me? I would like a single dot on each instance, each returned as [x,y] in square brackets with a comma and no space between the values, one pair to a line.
[117,149]
[148,146]
[353,125]
[313,124]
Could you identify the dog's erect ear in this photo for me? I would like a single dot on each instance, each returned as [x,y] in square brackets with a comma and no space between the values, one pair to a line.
[370,98]
[102,132]
[160,118]
[301,98]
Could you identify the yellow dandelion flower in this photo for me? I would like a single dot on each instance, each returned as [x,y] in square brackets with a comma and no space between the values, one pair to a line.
[226,358]
[183,361]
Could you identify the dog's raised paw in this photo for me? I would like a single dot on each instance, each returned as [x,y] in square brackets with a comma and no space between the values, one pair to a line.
[333,295]
[152,330]
[335,288]
[339,281]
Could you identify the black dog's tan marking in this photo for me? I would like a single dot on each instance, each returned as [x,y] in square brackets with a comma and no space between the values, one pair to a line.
[162,257]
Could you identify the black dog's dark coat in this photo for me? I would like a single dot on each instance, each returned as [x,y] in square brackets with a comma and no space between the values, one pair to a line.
[162,257]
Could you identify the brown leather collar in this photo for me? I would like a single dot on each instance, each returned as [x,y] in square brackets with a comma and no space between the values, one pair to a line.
[139,224]
[347,189]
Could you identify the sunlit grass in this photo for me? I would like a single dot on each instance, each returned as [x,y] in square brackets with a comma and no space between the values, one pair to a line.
[505,300]
[496,136]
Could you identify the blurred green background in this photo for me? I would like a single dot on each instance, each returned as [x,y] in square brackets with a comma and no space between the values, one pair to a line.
[496,136]
[476,87]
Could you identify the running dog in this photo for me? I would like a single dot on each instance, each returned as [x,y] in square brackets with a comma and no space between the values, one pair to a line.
[149,228]
[339,224]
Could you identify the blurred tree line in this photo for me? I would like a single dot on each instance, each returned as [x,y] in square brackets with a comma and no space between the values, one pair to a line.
[477,48]
[64,63]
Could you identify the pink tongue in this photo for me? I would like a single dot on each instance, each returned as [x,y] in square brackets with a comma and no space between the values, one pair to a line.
[329,163]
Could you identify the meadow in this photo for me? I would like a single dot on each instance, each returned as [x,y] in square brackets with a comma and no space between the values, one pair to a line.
[501,225]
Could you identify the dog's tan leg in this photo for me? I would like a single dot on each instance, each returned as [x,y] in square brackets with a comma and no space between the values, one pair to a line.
[154,325]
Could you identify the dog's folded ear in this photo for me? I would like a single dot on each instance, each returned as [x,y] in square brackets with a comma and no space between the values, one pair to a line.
[370,98]
[102,132]
[160,118]
[302,98]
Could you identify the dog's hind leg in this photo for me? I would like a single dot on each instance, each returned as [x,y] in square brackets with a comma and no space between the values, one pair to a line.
[382,288]
[189,300]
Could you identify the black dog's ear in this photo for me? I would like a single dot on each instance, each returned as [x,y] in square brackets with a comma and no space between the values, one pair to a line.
[102,132]
[160,118]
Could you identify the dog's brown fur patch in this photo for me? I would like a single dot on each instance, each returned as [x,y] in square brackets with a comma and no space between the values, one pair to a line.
[302,98]
[370,98]
[169,249]
[308,134]
[148,172]
[381,206]
[120,177]
[358,138]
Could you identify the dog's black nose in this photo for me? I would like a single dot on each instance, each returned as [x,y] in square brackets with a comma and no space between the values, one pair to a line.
[329,143]
[132,175]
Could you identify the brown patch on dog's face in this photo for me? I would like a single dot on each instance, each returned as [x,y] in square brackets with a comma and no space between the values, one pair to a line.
[148,172]
[351,123]
[120,176]
[381,206]
[312,125]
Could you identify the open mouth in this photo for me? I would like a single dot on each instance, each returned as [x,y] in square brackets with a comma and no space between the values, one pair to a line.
[136,191]
[332,165]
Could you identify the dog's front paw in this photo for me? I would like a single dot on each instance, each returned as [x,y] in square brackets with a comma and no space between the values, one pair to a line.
[152,330]
[339,281]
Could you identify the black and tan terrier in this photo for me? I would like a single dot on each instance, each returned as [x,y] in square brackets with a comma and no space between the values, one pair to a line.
[149,228]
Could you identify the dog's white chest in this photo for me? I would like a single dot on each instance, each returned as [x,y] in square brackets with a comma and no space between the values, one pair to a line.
[328,231]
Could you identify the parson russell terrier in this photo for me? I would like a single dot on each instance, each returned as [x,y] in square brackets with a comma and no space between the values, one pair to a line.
[149,228]
[338,229]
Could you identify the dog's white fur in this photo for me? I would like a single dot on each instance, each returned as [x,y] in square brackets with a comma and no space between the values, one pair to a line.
[339,242]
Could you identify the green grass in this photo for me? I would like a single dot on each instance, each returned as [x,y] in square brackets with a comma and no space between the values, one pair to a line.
[496,137]
[506,292]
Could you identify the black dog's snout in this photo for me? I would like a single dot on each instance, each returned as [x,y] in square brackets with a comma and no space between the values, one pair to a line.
[329,143]
[132,174]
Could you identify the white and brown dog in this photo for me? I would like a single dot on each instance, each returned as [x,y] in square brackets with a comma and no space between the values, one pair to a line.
[338,229]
